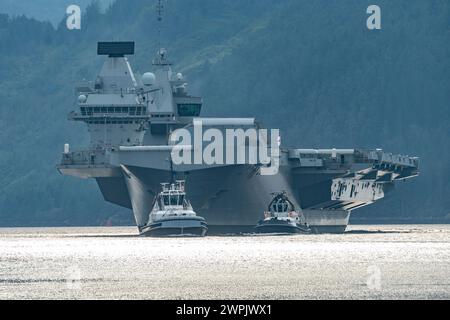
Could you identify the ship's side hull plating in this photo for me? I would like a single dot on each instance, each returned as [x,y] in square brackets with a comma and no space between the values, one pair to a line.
[231,198]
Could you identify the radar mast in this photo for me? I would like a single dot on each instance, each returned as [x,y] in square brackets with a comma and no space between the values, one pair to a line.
[159,11]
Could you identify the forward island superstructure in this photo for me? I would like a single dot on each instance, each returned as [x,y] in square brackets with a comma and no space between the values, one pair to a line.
[131,120]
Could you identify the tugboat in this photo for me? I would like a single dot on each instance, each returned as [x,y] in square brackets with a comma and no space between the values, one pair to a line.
[282,217]
[172,214]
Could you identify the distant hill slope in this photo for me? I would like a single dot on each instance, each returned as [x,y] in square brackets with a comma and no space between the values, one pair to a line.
[44,10]
[310,68]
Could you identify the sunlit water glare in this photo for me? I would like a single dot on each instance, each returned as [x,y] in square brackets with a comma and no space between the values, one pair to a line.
[114,263]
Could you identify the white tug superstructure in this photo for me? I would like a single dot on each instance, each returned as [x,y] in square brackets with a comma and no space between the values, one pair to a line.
[172,214]
[282,217]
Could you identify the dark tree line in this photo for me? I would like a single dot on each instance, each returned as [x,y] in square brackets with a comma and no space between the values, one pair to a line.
[310,68]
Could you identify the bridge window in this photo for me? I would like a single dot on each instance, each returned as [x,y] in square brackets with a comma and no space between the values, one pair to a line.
[174,200]
[189,109]
[89,111]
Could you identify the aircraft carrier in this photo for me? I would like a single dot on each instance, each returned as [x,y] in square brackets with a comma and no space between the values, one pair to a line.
[130,119]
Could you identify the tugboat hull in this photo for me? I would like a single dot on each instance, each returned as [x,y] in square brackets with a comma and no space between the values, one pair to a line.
[187,227]
[281,227]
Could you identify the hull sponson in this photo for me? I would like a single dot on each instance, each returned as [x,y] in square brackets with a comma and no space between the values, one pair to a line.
[330,221]
[313,188]
[115,190]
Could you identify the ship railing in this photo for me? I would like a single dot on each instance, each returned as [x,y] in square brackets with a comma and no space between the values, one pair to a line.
[378,157]
[74,115]
[329,157]
[85,157]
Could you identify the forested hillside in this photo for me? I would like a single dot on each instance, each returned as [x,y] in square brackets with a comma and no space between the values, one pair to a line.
[311,68]
[45,10]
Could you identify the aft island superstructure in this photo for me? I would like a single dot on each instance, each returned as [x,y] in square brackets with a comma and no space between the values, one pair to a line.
[131,120]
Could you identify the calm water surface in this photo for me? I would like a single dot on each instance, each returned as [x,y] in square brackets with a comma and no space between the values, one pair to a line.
[368,262]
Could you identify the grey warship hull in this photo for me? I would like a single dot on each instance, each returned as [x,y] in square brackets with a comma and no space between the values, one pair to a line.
[232,198]
[130,120]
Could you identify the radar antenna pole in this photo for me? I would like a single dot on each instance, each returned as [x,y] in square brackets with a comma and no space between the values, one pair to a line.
[172,173]
[159,10]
